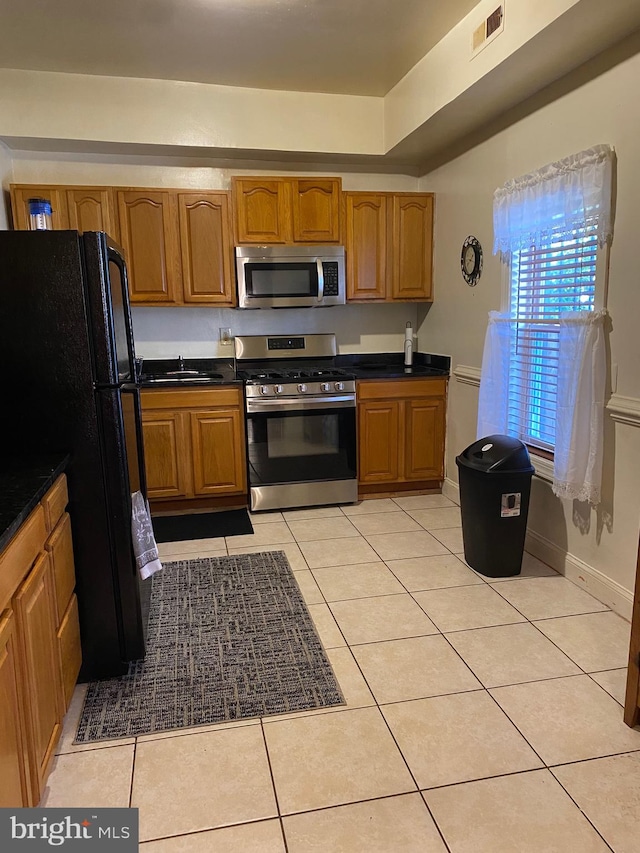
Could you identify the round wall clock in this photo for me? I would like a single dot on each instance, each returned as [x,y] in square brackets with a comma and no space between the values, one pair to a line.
[471,261]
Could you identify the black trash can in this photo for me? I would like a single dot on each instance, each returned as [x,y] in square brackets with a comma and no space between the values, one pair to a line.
[495,483]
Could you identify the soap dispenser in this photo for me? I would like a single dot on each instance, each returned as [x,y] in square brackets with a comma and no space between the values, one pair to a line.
[408,345]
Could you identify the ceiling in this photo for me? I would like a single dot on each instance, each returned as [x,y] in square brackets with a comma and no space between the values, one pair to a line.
[361,47]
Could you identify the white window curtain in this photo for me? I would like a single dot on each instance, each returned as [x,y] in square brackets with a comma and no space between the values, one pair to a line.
[569,196]
[577,469]
[580,407]
[561,198]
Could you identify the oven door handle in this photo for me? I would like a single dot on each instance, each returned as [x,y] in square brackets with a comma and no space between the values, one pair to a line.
[301,404]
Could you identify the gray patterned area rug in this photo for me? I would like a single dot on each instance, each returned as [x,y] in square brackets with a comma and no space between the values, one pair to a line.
[229,638]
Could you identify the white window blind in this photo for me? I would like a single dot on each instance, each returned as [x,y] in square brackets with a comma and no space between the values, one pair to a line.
[558,276]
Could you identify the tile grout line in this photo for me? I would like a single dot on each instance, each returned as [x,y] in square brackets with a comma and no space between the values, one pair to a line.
[273,785]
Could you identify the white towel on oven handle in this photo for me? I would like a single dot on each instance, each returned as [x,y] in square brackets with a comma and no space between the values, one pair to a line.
[144,543]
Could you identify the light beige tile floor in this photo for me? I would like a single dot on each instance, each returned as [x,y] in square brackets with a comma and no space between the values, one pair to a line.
[454,737]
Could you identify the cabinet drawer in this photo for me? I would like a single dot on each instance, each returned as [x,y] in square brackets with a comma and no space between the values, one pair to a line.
[20,554]
[390,389]
[70,651]
[60,547]
[55,502]
[187,398]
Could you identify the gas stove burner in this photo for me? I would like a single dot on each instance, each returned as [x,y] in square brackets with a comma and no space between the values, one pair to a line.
[325,374]
[261,375]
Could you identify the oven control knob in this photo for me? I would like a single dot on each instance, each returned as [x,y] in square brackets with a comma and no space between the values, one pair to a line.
[264,389]
[324,386]
[339,386]
[302,388]
[278,389]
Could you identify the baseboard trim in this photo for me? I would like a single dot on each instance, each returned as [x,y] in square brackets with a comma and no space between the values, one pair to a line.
[592,580]
[451,490]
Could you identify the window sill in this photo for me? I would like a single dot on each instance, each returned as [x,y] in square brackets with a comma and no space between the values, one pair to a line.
[544,467]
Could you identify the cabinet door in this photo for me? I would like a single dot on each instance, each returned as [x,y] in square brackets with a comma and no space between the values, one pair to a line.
[378,438]
[262,210]
[14,787]
[205,241]
[412,247]
[92,209]
[167,454]
[424,440]
[60,548]
[366,246]
[316,210]
[40,675]
[70,649]
[20,196]
[218,452]
[150,239]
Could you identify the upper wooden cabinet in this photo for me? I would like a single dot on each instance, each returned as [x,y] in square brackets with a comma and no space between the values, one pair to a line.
[80,208]
[20,195]
[262,209]
[366,246]
[411,247]
[205,241]
[274,210]
[92,209]
[178,246]
[389,245]
[150,239]
[315,208]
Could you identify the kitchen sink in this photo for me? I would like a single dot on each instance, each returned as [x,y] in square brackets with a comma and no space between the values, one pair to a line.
[181,376]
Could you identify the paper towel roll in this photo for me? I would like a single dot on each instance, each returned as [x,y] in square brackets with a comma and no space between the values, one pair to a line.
[408,345]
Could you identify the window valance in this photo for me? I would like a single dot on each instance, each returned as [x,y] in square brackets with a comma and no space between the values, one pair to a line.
[556,201]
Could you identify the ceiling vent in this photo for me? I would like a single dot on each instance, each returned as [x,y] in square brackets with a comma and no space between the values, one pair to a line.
[488,30]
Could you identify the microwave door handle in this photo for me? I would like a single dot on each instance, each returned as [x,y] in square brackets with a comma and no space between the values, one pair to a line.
[320,281]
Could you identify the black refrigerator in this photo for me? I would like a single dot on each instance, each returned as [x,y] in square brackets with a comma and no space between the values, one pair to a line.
[70,386]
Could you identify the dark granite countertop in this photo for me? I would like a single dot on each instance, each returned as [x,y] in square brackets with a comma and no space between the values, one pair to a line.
[221,371]
[23,484]
[390,365]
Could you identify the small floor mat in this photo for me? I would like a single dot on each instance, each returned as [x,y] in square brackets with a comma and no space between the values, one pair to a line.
[201,525]
[229,638]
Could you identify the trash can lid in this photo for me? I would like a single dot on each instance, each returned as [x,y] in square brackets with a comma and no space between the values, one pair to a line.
[496,453]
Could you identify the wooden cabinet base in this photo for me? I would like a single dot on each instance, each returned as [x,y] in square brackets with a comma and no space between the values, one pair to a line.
[178,505]
[384,490]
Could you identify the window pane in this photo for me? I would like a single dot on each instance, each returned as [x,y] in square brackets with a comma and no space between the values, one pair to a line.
[546,281]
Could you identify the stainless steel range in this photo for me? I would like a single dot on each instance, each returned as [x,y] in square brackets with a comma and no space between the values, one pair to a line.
[301,421]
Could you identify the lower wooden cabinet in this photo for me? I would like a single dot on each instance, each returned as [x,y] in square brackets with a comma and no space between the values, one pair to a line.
[194,442]
[15,787]
[39,647]
[401,428]
[41,676]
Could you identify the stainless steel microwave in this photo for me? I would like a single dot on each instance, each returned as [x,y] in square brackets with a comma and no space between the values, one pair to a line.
[290,276]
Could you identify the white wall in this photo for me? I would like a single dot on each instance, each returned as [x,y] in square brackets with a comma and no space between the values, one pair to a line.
[596,548]
[6,177]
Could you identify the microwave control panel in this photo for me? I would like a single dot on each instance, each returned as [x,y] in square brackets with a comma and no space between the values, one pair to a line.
[330,271]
